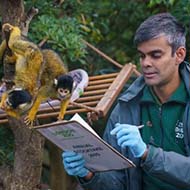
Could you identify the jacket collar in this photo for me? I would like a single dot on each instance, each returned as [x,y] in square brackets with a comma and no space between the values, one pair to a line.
[135,88]
[185,73]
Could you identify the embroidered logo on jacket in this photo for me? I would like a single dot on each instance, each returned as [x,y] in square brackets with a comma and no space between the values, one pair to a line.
[179,130]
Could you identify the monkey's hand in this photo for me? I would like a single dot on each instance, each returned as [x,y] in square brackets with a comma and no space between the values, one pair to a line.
[29,119]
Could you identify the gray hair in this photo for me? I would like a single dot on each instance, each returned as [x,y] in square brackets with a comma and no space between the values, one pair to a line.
[163,24]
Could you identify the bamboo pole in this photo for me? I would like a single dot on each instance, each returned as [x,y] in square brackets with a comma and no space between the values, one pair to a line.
[109,58]
[103,54]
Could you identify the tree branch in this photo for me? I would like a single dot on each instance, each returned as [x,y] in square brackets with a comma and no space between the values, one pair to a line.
[27,19]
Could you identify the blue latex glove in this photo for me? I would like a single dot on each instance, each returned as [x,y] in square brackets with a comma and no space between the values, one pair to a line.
[74,164]
[129,136]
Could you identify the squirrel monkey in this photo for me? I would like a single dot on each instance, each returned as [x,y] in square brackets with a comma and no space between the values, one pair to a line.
[39,75]
[28,62]
[55,84]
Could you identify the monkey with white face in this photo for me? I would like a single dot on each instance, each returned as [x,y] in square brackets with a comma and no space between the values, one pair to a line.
[39,75]
[55,84]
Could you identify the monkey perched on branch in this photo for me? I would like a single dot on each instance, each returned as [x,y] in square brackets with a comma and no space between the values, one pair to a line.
[39,75]
[28,61]
[55,84]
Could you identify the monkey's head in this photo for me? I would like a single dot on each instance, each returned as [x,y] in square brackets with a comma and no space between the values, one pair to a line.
[64,86]
[19,99]
[8,30]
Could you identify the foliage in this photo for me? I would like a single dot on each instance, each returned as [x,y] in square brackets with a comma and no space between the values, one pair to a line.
[102,23]
[61,32]
[167,3]
[62,35]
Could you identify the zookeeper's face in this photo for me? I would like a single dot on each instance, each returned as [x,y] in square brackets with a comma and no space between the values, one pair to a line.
[159,66]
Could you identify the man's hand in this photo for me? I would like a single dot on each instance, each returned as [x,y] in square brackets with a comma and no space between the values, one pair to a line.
[74,164]
[129,136]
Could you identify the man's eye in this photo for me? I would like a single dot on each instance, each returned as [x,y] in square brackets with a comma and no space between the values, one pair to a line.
[156,55]
[141,56]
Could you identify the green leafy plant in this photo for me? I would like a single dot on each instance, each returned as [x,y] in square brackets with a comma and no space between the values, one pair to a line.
[62,35]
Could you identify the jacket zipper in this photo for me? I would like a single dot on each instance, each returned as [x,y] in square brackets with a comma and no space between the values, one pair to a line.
[161,126]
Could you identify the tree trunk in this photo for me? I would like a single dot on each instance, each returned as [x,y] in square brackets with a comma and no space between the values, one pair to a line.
[12,11]
[28,157]
[59,180]
[28,149]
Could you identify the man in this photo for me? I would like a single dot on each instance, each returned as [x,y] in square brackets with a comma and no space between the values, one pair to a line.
[160,100]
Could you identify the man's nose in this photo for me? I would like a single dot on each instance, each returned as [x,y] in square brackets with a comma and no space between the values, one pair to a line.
[145,62]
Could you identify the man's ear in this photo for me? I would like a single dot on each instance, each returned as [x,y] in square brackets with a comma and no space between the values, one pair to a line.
[180,54]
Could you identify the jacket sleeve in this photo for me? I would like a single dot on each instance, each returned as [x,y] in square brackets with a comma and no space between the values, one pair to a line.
[112,180]
[170,167]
